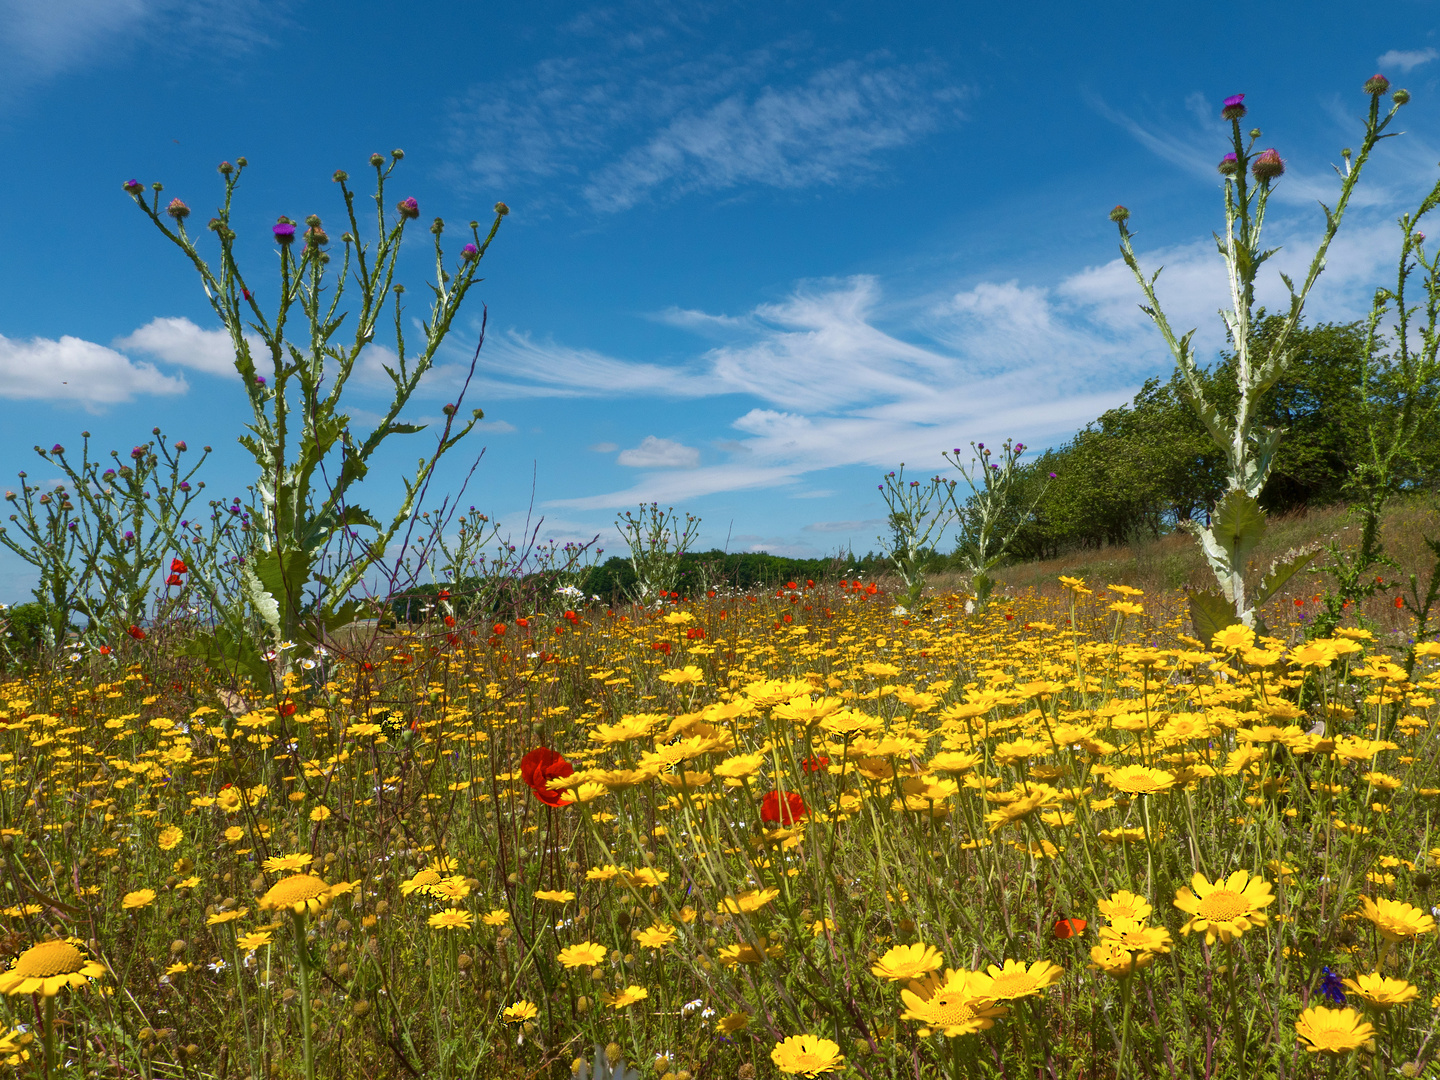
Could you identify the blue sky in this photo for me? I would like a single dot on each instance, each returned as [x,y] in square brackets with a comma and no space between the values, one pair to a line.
[759,253]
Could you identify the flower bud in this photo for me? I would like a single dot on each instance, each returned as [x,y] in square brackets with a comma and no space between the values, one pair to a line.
[437,226]
[397,154]
[134,187]
[284,231]
[1401,97]
[1119,215]
[340,176]
[181,446]
[313,220]
[501,209]
[1229,165]
[408,208]
[1234,107]
[376,160]
[214,224]
[1377,84]
[448,410]
[316,237]
[240,163]
[57,449]
[177,210]
[469,253]
[225,168]
[1267,166]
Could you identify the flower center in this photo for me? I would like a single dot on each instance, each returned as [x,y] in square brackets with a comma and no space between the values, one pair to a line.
[1224,904]
[1013,985]
[947,1010]
[50,958]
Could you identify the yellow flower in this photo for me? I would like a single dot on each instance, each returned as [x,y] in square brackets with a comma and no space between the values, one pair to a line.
[586,954]
[248,943]
[807,1055]
[287,863]
[420,882]
[728,1025]
[320,813]
[908,962]
[657,936]
[555,896]
[602,873]
[1395,920]
[1382,991]
[1332,1031]
[178,968]
[1015,980]
[750,901]
[229,799]
[1117,961]
[137,899]
[958,1004]
[519,1012]
[298,893]
[227,916]
[1140,780]
[1134,936]
[1125,905]
[169,837]
[234,834]
[739,766]
[629,996]
[1227,907]
[49,967]
[1125,607]
[497,917]
[688,675]
[450,889]
[451,919]
[1235,638]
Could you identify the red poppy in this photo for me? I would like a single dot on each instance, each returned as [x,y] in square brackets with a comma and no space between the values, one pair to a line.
[136,633]
[695,633]
[178,567]
[661,646]
[793,810]
[498,629]
[287,708]
[1066,928]
[104,650]
[539,767]
[1399,601]
[815,764]
[173,579]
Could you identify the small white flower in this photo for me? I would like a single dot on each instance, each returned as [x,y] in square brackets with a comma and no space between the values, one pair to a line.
[217,966]
[690,1006]
[74,657]
[706,1013]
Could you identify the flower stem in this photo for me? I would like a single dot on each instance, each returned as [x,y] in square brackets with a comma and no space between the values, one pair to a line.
[302,953]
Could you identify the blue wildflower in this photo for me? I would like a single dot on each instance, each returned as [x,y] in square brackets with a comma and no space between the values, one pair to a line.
[1331,987]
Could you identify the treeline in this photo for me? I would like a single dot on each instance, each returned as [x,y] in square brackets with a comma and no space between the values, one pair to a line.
[1137,471]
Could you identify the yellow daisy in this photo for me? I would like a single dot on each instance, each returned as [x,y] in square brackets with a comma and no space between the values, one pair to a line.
[1225,908]
[1332,1031]
[49,967]
[807,1055]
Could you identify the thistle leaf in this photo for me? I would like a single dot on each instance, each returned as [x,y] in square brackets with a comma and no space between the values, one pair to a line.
[1282,570]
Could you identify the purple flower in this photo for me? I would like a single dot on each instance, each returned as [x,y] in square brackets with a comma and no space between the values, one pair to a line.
[177,210]
[408,208]
[469,253]
[259,380]
[1377,84]
[134,187]
[1332,987]
[57,449]
[1234,107]
[129,536]
[1052,476]
[137,452]
[184,486]
[1229,165]
[284,231]
[1268,165]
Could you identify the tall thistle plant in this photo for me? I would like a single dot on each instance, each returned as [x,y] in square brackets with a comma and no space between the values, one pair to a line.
[308,459]
[1237,523]
[917,520]
[992,514]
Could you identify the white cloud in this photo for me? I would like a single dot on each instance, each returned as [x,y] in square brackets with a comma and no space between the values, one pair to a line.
[1406,59]
[79,371]
[604,448]
[648,121]
[655,453]
[179,341]
[844,526]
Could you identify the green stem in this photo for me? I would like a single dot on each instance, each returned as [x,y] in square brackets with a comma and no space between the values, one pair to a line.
[49,1035]
[302,954]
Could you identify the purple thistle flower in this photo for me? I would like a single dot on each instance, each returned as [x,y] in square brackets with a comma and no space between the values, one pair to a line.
[470,253]
[1268,165]
[134,187]
[408,208]
[1234,107]
[1229,165]
[1052,476]
[259,380]
[57,449]
[284,231]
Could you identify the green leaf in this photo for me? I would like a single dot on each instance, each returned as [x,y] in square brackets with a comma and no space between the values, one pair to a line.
[233,654]
[1237,525]
[261,599]
[1282,570]
[1210,613]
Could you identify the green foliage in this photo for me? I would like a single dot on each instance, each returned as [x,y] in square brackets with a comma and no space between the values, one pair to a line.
[657,541]
[993,514]
[918,518]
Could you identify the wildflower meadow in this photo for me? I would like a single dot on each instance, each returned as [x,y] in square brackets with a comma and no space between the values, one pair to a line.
[292,789]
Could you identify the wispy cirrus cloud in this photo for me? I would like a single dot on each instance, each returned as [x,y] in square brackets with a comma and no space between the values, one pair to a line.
[659,123]
[1406,60]
[40,39]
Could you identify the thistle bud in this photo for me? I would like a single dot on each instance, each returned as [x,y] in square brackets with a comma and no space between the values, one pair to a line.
[1376,85]
[1229,165]
[1401,97]
[437,226]
[225,168]
[313,220]
[376,160]
[408,208]
[133,187]
[340,176]
[501,209]
[177,210]
[240,163]
[1267,166]
[397,154]
[448,410]
[1234,107]
[316,237]
[1119,215]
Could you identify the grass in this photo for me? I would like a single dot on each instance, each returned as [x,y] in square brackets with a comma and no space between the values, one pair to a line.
[787,834]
